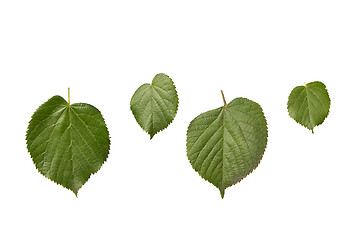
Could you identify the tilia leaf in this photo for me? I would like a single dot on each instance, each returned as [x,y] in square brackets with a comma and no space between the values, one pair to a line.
[309,105]
[67,143]
[224,145]
[155,105]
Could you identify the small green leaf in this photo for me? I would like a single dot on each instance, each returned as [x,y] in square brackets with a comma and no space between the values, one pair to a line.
[309,105]
[67,143]
[224,145]
[155,105]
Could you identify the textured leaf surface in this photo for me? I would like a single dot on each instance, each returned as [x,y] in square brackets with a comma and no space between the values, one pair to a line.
[224,145]
[309,105]
[67,143]
[155,105]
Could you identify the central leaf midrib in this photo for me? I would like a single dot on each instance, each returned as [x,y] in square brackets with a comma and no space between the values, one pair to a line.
[308,107]
[222,190]
[71,149]
[152,132]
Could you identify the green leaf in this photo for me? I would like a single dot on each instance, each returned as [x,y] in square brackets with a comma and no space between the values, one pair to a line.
[309,105]
[224,145]
[155,105]
[67,143]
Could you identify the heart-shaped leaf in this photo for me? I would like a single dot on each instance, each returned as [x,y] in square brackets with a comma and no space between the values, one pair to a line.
[309,105]
[155,105]
[224,145]
[67,142]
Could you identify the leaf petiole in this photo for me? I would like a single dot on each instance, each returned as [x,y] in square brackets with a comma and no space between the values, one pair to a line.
[69,96]
[222,94]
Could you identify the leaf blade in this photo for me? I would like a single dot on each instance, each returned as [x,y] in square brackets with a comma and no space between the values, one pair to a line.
[217,142]
[155,105]
[64,147]
[309,105]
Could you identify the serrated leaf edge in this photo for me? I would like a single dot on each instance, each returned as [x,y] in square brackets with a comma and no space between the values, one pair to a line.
[222,192]
[107,153]
[177,107]
[288,110]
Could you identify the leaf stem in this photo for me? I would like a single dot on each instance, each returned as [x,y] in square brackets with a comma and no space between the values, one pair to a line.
[222,94]
[69,96]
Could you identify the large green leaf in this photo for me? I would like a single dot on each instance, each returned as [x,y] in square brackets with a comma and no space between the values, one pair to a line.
[67,142]
[224,145]
[309,105]
[155,105]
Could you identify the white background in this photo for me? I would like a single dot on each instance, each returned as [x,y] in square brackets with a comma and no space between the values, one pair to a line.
[306,186]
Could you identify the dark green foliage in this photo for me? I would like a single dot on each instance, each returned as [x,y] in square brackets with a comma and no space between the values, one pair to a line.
[155,105]
[224,145]
[67,142]
[309,105]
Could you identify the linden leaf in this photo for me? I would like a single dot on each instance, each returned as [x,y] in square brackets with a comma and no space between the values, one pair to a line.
[309,105]
[67,143]
[155,105]
[224,145]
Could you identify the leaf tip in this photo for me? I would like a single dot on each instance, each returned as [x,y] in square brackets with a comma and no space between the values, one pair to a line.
[222,193]
[75,192]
